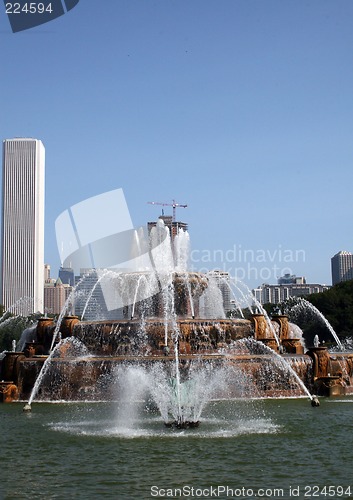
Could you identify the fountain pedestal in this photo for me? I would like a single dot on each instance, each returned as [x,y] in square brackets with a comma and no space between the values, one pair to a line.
[282,321]
[8,392]
[42,325]
[33,348]
[292,346]
[10,364]
[67,326]
[329,386]
[262,331]
[328,380]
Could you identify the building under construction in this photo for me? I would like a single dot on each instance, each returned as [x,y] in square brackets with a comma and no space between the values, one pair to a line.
[174,226]
[169,220]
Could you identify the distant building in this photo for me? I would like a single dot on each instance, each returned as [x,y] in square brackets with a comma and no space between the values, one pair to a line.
[342,267]
[67,275]
[174,226]
[47,273]
[55,295]
[22,236]
[89,298]
[291,279]
[274,294]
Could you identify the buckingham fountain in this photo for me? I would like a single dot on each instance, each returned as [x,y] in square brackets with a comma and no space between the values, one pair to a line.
[169,344]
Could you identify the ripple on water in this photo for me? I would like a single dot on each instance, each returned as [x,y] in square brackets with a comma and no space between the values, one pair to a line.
[209,428]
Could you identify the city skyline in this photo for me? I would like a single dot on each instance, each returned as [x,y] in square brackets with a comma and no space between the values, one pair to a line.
[243,113]
[16,149]
[236,255]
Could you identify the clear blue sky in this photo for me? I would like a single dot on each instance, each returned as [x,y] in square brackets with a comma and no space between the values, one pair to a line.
[243,109]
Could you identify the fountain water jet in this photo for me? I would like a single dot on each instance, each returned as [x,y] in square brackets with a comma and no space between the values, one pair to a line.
[70,347]
[304,304]
[254,345]
[68,303]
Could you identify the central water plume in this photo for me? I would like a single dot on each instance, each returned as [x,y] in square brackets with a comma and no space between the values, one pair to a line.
[179,400]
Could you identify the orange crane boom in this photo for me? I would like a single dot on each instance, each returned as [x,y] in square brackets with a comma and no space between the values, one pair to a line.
[174,204]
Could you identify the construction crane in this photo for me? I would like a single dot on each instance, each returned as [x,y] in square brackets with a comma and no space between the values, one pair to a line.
[174,204]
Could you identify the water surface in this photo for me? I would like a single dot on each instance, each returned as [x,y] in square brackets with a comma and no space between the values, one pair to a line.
[96,450]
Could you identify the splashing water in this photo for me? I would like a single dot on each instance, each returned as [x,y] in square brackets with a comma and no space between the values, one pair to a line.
[69,347]
[306,305]
[64,310]
[254,345]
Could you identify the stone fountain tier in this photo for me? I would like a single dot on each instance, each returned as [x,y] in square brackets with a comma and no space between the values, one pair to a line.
[195,336]
[146,292]
[93,378]
[109,344]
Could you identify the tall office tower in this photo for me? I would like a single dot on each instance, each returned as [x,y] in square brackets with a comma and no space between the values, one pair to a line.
[67,276]
[22,238]
[342,267]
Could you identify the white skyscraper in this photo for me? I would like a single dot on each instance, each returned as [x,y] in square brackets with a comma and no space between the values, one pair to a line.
[22,238]
[342,267]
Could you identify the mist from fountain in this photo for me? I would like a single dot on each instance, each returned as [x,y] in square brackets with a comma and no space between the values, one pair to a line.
[172,320]
[211,304]
[178,402]
[131,390]
[185,403]
[181,251]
